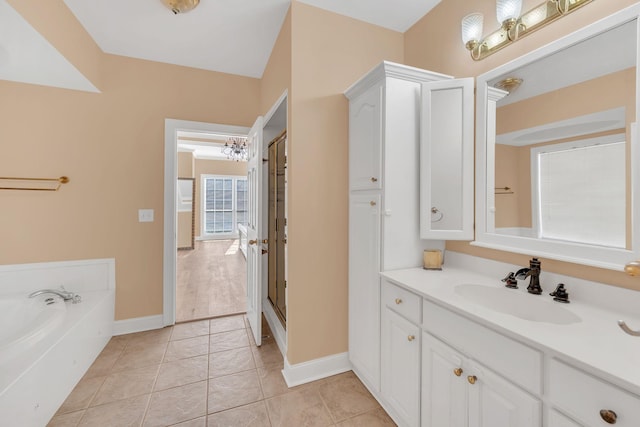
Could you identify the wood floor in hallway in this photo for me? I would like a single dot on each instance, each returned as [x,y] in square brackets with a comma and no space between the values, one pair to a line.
[211,280]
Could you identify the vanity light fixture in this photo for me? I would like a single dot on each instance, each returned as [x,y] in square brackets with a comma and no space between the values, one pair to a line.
[513,25]
[235,148]
[181,6]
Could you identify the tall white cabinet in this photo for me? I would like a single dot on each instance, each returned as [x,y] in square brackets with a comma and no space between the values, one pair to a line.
[384,198]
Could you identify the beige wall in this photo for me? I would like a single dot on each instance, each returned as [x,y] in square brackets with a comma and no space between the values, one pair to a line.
[329,53]
[434,43]
[111,145]
[277,74]
[185,165]
[213,167]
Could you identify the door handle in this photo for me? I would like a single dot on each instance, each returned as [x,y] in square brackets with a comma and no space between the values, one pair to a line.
[253,242]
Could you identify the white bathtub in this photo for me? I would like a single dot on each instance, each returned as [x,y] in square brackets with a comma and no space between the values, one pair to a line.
[46,349]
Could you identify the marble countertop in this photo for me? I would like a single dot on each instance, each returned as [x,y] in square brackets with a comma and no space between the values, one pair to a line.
[595,343]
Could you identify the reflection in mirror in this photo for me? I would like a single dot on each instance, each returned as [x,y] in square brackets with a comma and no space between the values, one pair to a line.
[561,153]
[560,143]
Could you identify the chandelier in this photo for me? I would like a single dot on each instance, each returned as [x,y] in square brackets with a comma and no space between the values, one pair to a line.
[236,148]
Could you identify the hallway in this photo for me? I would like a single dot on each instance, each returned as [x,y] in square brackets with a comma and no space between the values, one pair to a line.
[211,280]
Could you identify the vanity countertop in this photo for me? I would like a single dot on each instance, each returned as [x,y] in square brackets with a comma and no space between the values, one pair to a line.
[595,342]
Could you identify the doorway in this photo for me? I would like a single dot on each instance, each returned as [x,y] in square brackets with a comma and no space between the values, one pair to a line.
[174,131]
[277,222]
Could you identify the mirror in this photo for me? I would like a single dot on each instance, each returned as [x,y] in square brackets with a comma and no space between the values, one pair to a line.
[186,212]
[556,132]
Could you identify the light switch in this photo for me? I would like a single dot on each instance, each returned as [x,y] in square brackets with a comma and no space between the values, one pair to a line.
[145,215]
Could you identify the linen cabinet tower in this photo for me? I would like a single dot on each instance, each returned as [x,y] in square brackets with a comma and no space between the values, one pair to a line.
[384,198]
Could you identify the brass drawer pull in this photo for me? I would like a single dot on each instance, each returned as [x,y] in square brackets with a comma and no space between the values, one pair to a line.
[374,179]
[458,371]
[472,379]
[398,301]
[608,416]
[411,337]
[372,203]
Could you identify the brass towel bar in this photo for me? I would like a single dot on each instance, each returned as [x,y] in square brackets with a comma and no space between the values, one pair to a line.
[505,190]
[32,184]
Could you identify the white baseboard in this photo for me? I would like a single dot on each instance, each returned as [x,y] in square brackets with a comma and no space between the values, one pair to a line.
[316,369]
[138,324]
[276,327]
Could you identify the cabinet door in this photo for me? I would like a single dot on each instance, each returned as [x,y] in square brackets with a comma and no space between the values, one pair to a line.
[444,385]
[495,402]
[446,160]
[400,372]
[364,287]
[365,140]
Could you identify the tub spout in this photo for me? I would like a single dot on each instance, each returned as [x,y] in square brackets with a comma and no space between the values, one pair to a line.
[64,294]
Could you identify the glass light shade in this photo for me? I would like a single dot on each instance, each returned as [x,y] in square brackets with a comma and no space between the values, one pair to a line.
[472,27]
[508,9]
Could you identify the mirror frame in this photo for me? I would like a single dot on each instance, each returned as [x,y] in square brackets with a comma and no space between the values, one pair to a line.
[574,252]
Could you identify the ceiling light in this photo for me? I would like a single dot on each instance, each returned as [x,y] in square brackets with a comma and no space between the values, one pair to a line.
[236,148]
[509,84]
[181,6]
[512,25]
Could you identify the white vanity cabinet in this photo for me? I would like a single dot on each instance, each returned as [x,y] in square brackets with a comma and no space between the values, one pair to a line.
[458,391]
[591,401]
[384,179]
[400,356]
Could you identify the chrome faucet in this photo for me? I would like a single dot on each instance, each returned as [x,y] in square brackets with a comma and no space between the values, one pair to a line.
[62,293]
[534,273]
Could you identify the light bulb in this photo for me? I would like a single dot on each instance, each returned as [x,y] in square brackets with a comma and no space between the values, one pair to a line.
[508,9]
[472,29]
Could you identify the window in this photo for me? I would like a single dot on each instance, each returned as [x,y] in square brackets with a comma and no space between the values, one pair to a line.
[571,202]
[224,204]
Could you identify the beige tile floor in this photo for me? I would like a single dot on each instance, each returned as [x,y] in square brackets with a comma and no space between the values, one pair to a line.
[208,373]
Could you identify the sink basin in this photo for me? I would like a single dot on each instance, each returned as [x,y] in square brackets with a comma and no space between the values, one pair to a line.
[535,308]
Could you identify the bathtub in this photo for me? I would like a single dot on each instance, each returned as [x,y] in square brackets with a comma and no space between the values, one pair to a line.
[47,344]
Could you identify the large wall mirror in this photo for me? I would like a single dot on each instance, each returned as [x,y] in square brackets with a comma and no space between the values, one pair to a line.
[557,150]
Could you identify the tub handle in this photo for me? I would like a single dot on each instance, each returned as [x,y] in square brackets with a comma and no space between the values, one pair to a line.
[627,329]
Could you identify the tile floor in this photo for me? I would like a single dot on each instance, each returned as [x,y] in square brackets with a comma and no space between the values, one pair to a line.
[209,373]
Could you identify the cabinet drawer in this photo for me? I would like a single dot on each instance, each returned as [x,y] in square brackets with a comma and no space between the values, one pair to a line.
[401,301]
[583,396]
[513,360]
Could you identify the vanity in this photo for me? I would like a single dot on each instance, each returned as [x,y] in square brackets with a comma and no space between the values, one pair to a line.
[556,177]
[460,349]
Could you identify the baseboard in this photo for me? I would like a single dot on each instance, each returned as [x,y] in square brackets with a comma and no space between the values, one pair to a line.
[138,324]
[276,327]
[316,369]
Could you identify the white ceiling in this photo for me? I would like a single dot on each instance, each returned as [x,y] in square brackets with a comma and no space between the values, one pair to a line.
[207,146]
[229,36]
[27,57]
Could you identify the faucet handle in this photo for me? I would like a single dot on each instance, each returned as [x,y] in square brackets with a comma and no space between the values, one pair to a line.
[511,281]
[560,294]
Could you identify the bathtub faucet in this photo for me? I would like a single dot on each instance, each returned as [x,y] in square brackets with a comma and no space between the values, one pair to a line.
[62,293]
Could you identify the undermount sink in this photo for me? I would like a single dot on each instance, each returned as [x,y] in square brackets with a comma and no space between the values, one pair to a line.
[535,308]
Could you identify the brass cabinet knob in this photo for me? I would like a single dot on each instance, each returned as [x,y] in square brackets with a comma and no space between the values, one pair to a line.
[472,379]
[458,371]
[265,241]
[398,301]
[253,242]
[608,416]
[411,337]
[372,203]
[374,179]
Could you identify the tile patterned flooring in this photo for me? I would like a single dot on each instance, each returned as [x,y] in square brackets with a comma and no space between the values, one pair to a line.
[209,373]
